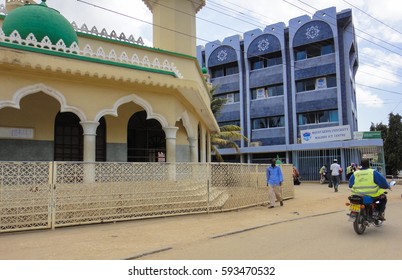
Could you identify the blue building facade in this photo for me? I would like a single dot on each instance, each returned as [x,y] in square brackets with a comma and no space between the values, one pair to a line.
[285,79]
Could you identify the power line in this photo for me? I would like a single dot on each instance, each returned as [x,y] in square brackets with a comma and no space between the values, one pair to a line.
[397,47]
[376,19]
[125,15]
[380,89]
[138,19]
[246,9]
[243,8]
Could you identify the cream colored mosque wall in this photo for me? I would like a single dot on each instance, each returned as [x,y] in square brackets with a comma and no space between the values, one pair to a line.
[81,93]
[181,137]
[117,125]
[36,111]
[182,144]
[91,89]
[187,65]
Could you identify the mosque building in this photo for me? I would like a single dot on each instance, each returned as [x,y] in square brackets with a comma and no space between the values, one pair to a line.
[72,93]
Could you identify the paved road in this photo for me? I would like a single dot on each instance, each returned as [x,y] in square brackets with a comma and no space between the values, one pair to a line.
[328,236]
[313,225]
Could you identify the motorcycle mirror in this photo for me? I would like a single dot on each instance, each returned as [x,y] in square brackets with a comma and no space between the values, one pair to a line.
[392,183]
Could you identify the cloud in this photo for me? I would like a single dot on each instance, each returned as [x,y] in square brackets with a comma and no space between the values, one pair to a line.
[378,67]
[366,98]
[128,17]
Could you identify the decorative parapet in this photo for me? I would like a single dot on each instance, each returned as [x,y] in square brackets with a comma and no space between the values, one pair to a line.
[104,34]
[74,50]
[93,31]
[21,1]
[3,10]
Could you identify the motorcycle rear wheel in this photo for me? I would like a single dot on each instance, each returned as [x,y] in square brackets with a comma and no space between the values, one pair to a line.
[358,224]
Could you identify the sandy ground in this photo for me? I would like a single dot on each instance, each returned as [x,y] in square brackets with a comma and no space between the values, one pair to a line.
[133,239]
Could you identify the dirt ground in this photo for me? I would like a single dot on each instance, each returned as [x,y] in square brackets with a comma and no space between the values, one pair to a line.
[133,239]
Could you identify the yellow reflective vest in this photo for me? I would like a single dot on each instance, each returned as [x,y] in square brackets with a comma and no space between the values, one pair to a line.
[364,183]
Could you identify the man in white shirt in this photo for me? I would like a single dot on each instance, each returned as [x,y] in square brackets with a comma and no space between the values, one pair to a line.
[336,171]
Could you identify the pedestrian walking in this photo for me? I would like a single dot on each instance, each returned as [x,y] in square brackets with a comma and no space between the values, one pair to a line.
[336,171]
[274,182]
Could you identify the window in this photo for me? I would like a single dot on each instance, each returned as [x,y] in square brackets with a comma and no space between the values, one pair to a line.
[317,117]
[331,81]
[300,55]
[314,50]
[68,135]
[217,72]
[268,122]
[305,85]
[265,92]
[260,123]
[257,64]
[260,93]
[274,61]
[232,69]
[327,49]
[266,60]
[224,70]
[275,90]
[316,83]
[231,97]
[277,121]
[229,123]
[320,83]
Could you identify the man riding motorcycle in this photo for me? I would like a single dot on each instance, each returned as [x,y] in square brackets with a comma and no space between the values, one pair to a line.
[323,174]
[370,182]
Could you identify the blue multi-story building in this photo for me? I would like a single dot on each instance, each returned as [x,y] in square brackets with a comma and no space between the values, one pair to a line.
[282,82]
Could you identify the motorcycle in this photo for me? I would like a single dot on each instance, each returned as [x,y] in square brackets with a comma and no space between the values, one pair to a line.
[364,211]
[323,178]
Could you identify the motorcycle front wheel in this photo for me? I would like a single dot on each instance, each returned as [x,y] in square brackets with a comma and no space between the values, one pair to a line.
[358,224]
[322,180]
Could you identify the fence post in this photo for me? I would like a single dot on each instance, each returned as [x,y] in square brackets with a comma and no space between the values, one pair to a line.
[52,182]
[208,184]
[256,175]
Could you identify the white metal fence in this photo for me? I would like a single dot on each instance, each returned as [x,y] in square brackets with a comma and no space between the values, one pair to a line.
[309,162]
[38,195]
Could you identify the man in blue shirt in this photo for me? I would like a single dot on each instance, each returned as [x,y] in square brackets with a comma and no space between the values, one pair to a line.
[274,182]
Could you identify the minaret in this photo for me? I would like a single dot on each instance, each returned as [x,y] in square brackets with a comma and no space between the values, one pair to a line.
[13,4]
[174,24]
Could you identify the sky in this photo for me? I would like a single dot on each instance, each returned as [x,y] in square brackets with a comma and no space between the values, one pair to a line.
[378,26]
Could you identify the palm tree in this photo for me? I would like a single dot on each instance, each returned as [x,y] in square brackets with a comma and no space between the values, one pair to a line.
[228,133]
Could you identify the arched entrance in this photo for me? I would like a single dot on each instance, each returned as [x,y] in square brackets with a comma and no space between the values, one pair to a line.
[145,139]
[68,138]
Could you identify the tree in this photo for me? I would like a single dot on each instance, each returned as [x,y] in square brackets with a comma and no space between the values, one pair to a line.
[380,127]
[393,144]
[228,134]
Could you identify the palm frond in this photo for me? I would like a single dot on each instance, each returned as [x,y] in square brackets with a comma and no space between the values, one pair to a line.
[228,133]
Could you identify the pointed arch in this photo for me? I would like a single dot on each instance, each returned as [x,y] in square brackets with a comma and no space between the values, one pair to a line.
[187,124]
[21,93]
[137,100]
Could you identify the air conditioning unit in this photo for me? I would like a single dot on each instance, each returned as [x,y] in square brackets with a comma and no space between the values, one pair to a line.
[255,144]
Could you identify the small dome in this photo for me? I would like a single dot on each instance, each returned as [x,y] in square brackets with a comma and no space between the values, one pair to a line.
[41,21]
[204,70]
